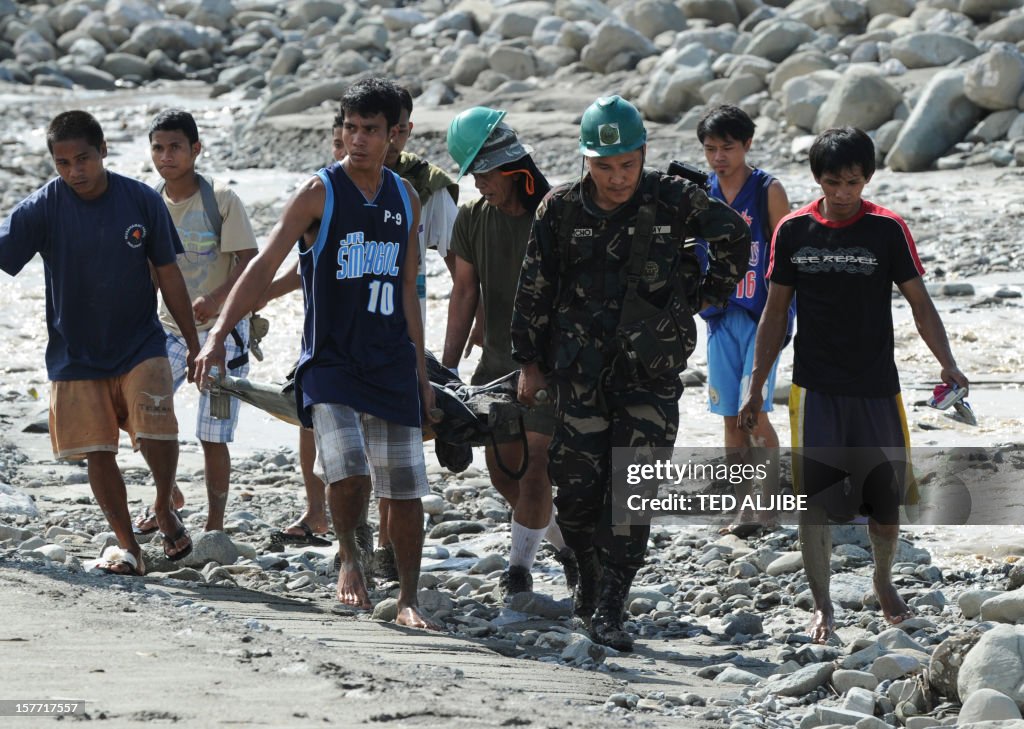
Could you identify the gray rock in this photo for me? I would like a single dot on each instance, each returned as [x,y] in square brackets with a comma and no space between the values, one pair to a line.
[825,715]
[862,658]
[589,10]
[886,135]
[581,649]
[737,675]
[239,75]
[675,83]
[845,679]
[172,37]
[803,96]
[130,13]
[1015,579]
[861,98]
[802,681]
[163,66]
[349,63]
[1005,607]
[435,601]
[799,64]
[87,52]
[994,126]
[985,9]
[547,31]
[777,39]
[16,503]
[52,552]
[402,19]
[487,564]
[612,38]
[742,622]
[471,62]
[386,610]
[185,574]
[927,49]
[313,10]
[551,59]
[211,547]
[641,606]
[13,533]
[536,603]
[1007,30]
[860,700]
[512,61]
[987,704]
[123,66]
[458,526]
[516,23]
[719,12]
[310,96]
[895,639]
[31,47]
[739,87]
[872,722]
[652,17]
[940,119]
[895,665]
[787,563]
[995,79]
[288,58]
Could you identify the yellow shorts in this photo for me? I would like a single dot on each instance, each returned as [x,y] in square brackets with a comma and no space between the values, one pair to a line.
[85,415]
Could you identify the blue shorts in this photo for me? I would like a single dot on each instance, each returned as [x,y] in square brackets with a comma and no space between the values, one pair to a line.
[851,454]
[208,428]
[730,362]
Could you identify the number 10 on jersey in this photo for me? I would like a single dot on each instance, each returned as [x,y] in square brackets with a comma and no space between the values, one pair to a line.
[382,298]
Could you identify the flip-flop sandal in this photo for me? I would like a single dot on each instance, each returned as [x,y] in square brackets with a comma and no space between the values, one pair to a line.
[145,523]
[116,561]
[307,538]
[170,541]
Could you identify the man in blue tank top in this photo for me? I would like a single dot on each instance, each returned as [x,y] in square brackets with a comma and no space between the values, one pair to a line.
[726,133]
[361,381]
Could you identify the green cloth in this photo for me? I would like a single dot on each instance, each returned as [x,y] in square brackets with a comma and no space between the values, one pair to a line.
[424,177]
[495,243]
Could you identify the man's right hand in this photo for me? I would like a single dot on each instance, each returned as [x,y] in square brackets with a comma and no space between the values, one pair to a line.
[531,379]
[212,355]
[752,405]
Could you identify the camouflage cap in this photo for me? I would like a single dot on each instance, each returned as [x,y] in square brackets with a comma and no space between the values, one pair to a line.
[502,146]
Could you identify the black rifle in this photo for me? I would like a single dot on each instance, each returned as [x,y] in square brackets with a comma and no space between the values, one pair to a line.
[689,172]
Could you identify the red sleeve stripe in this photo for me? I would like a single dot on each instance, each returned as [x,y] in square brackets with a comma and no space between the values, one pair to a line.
[907,237]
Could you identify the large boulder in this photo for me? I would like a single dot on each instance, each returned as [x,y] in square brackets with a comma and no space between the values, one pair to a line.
[128,14]
[777,39]
[799,64]
[212,13]
[988,705]
[675,83]
[719,12]
[306,98]
[985,9]
[613,39]
[862,98]
[996,662]
[472,61]
[927,49]
[803,96]
[512,61]
[939,120]
[652,17]
[171,36]
[993,127]
[1008,30]
[995,79]
[1006,607]
[592,11]
[947,660]
[121,65]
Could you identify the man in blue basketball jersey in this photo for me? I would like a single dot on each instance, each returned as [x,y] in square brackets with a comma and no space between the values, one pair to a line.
[726,133]
[361,381]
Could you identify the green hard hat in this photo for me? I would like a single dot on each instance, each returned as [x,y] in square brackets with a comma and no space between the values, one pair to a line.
[468,132]
[611,126]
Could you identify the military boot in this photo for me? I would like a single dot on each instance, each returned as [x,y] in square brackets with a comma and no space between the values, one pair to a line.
[606,627]
[588,582]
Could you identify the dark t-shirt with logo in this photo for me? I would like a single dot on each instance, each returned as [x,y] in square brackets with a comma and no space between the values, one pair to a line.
[843,273]
[100,299]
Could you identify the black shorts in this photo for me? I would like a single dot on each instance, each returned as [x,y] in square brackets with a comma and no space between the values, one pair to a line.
[850,454]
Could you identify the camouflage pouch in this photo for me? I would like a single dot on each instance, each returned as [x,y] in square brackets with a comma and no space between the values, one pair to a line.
[656,342]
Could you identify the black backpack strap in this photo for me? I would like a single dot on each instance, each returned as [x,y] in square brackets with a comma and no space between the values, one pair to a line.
[643,234]
[210,206]
[571,205]
[241,359]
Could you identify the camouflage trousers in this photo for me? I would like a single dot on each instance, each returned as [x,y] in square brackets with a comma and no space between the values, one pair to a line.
[591,423]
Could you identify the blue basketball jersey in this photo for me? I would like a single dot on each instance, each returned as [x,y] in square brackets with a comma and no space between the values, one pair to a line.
[356,349]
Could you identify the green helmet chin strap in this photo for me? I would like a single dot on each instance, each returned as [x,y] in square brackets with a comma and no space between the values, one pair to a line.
[611,126]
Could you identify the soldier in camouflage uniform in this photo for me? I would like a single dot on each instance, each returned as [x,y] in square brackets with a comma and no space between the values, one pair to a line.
[566,333]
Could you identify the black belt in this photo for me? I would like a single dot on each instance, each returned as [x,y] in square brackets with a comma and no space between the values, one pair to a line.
[243,358]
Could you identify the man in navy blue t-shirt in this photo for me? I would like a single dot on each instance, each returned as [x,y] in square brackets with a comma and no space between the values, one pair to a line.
[100,236]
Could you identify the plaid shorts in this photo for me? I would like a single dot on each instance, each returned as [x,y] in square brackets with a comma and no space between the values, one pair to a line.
[208,428]
[349,443]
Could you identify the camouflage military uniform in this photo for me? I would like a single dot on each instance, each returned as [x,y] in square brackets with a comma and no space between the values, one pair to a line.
[567,309]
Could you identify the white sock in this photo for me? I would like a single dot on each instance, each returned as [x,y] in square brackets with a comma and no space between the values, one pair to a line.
[554,534]
[525,542]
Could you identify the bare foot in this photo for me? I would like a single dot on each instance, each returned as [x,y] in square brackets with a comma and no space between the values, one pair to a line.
[823,625]
[893,607]
[352,586]
[412,618]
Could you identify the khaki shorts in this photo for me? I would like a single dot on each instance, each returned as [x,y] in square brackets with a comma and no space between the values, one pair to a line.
[85,415]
